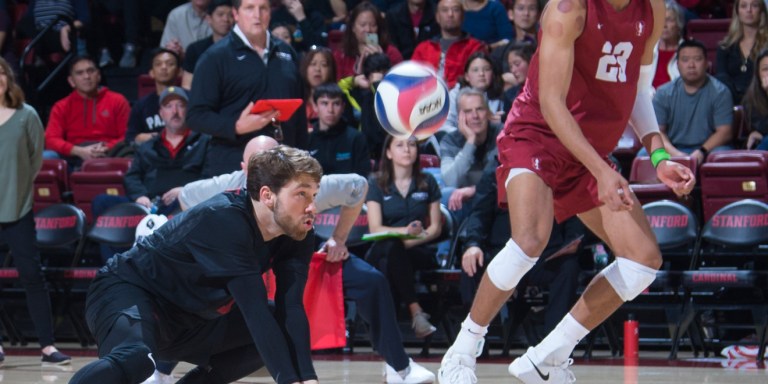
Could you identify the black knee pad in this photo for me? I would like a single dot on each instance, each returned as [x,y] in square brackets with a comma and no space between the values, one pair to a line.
[135,360]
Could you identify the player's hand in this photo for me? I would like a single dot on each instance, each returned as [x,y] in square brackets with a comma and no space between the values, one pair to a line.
[472,260]
[336,251]
[754,139]
[613,191]
[676,176]
[252,122]
[171,196]
[145,201]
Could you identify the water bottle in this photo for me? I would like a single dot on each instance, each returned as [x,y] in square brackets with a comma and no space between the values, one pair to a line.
[631,337]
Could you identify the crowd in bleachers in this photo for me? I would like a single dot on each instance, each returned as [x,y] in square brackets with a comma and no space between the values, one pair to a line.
[711,95]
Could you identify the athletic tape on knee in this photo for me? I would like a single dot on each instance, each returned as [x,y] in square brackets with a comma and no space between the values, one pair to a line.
[509,266]
[628,278]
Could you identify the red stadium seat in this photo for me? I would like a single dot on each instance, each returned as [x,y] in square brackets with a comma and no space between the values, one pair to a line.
[334,39]
[729,176]
[429,161]
[96,177]
[709,32]
[741,127]
[50,183]
[627,148]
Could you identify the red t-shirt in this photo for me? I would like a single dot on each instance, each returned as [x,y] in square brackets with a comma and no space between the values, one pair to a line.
[662,74]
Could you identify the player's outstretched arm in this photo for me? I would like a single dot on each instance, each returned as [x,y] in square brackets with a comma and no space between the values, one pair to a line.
[562,23]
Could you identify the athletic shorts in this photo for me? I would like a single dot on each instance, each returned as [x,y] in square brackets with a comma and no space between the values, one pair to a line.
[574,189]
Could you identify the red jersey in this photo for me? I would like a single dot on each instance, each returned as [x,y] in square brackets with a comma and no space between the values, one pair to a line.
[604,82]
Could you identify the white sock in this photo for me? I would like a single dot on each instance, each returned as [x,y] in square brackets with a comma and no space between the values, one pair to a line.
[470,339]
[559,344]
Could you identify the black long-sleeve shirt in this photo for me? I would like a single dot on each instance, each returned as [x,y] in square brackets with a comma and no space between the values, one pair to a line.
[212,255]
[340,149]
[729,66]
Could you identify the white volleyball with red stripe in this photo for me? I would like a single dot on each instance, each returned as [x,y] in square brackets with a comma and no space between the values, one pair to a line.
[411,100]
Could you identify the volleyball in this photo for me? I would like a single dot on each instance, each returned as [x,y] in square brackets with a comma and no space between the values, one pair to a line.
[411,100]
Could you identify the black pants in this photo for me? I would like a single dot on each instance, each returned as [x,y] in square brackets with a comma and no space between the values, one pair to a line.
[132,328]
[20,237]
[397,263]
[370,291]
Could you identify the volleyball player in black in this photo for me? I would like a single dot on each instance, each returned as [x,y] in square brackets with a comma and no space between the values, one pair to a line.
[192,291]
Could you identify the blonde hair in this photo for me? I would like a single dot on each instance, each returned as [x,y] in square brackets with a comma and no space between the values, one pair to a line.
[736,30]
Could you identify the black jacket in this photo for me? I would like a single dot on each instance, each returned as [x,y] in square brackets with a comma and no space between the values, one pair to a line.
[153,172]
[340,149]
[401,29]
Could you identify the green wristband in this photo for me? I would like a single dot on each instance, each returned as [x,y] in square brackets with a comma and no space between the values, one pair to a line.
[658,155]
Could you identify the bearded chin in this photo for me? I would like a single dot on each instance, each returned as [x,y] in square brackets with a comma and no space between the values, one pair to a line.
[284,222]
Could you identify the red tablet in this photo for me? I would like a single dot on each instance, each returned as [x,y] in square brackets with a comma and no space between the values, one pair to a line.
[286,107]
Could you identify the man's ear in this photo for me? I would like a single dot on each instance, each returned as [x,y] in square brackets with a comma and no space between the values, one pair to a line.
[267,197]
[71,81]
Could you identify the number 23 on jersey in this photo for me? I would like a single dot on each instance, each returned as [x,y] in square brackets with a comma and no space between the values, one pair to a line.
[613,64]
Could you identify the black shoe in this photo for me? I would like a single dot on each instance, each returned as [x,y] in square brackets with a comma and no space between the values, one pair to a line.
[56,358]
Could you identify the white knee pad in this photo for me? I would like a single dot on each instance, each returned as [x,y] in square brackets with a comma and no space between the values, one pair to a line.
[509,266]
[628,278]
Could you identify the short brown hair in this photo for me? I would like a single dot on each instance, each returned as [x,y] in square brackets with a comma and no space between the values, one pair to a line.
[276,167]
[14,96]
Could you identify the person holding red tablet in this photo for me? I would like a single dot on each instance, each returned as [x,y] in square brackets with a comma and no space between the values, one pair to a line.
[246,66]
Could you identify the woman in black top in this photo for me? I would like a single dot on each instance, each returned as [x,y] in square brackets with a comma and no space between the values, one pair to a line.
[747,35]
[756,105]
[400,199]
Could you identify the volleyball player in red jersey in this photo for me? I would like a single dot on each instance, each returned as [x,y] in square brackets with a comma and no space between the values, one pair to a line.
[591,75]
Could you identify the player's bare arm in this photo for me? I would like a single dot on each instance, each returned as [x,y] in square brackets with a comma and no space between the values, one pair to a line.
[562,23]
[643,119]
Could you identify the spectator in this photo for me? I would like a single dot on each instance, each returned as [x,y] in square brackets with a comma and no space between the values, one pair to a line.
[131,11]
[747,36]
[487,21]
[338,147]
[410,23]
[756,105]
[400,198]
[362,96]
[448,52]
[145,122]
[90,121]
[59,39]
[467,151]
[518,58]
[221,101]
[21,153]
[334,12]
[305,27]
[366,34]
[694,112]
[317,67]
[185,25]
[6,38]
[671,37]
[488,230]
[524,15]
[282,32]
[219,17]
[162,165]
[481,75]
